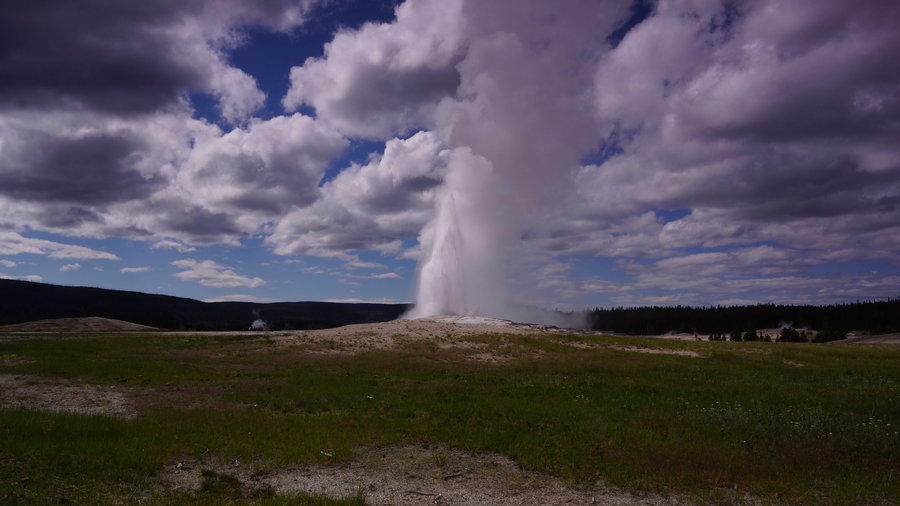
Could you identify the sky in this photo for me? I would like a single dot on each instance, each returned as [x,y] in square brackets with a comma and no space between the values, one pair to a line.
[589,153]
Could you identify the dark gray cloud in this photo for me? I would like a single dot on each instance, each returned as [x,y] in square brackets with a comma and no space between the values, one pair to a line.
[95,128]
[93,170]
[97,54]
[196,223]
[64,217]
[119,57]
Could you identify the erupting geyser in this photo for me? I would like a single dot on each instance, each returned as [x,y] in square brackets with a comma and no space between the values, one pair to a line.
[520,123]
[461,265]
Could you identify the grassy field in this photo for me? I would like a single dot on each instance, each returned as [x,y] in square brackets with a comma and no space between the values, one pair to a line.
[756,422]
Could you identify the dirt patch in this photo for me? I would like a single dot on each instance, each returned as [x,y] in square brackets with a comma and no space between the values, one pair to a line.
[409,475]
[636,349]
[38,392]
[656,351]
[89,324]
[674,336]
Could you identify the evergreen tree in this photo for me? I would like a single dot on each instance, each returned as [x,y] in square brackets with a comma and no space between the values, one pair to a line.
[790,335]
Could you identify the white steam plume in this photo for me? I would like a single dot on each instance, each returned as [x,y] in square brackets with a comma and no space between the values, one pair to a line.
[520,124]
[258,323]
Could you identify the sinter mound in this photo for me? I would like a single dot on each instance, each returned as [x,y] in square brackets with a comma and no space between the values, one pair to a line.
[91,323]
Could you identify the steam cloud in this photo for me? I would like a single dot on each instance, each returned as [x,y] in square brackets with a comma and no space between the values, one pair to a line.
[258,323]
[520,124]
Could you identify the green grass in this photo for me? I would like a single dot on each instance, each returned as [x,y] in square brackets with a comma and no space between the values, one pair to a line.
[744,417]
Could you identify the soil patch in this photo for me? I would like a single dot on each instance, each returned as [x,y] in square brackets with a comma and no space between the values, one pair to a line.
[656,351]
[635,349]
[409,475]
[38,392]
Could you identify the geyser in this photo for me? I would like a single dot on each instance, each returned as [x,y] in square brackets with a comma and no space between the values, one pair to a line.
[520,123]
[460,270]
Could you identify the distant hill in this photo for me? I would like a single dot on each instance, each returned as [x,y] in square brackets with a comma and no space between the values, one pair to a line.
[25,301]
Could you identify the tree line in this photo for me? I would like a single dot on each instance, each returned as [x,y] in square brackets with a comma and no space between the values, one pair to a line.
[829,321]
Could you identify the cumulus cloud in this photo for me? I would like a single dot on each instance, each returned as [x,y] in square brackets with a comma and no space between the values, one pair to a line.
[747,275]
[102,162]
[126,58]
[70,267]
[7,263]
[209,273]
[108,148]
[385,79]
[752,117]
[368,207]
[266,168]
[83,173]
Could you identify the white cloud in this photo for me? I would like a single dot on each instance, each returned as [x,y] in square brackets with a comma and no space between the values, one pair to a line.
[381,275]
[368,207]
[170,244]
[261,171]
[385,79]
[31,277]
[209,273]
[134,269]
[70,267]
[380,300]
[11,243]
[360,264]
[385,275]
[7,263]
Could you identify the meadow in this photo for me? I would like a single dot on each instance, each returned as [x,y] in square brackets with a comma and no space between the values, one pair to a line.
[692,422]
